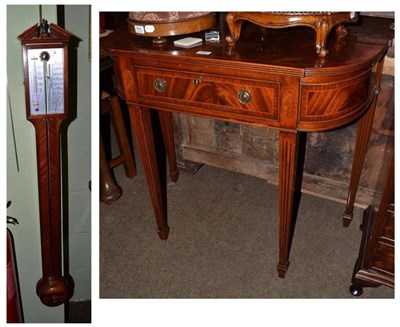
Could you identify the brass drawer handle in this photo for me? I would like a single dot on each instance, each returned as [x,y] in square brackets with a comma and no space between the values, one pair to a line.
[160,85]
[244,96]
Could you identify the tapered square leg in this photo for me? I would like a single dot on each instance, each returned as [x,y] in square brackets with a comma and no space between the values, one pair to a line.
[288,144]
[144,137]
[168,136]
[363,131]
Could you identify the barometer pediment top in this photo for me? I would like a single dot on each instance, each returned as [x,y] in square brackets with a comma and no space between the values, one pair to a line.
[35,34]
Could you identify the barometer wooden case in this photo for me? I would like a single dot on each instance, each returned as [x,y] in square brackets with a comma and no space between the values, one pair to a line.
[45,56]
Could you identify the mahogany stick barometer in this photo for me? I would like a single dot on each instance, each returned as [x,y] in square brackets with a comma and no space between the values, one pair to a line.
[45,55]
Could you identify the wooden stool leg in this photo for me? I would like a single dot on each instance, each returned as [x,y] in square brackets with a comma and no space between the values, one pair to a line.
[126,155]
[109,189]
[168,135]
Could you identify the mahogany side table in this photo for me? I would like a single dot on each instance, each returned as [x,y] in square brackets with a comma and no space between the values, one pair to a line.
[269,79]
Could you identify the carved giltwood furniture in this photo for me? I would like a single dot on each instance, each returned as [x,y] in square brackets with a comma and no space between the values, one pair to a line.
[321,22]
[282,85]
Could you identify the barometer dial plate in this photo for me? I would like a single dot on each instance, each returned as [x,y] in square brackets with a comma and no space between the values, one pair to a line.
[46,80]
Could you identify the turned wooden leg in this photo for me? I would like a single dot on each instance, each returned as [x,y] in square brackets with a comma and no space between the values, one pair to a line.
[363,131]
[168,135]
[288,142]
[126,155]
[110,191]
[144,137]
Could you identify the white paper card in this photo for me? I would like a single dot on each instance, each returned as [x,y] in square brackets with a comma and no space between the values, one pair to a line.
[204,53]
[188,42]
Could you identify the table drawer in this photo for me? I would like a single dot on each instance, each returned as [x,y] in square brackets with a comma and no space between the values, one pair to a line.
[241,96]
[162,86]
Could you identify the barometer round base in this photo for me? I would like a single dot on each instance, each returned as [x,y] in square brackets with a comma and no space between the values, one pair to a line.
[54,292]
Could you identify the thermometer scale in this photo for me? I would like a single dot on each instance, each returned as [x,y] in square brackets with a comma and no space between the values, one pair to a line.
[46,81]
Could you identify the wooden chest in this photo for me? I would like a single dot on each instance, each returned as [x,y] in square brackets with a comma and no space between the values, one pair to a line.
[375,263]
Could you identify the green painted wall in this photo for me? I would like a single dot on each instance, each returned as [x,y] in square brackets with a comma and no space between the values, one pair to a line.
[79,156]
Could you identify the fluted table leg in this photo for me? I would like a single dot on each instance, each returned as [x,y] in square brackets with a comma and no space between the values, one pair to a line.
[288,143]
